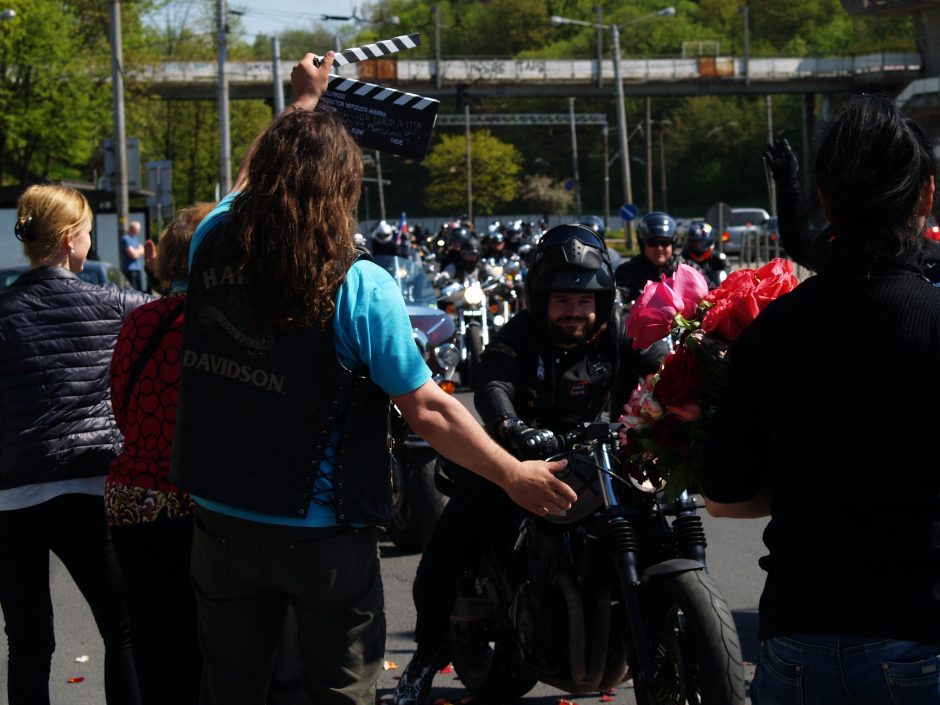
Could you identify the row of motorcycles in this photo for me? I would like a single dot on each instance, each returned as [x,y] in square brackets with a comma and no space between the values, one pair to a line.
[616,589]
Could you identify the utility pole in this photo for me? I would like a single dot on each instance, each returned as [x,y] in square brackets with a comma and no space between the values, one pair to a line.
[120,138]
[574,159]
[604,134]
[747,47]
[662,171]
[599,14]
[381,186]
[622,133]
[770,140]
[466,115]
[276,70]
[649,156]
[225,138]
[438,62]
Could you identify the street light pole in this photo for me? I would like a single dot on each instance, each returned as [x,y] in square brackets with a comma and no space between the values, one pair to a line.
[622,132]
[120,139]
[225,138]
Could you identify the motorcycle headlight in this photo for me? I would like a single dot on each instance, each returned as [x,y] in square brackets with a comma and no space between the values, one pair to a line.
[473,295]
[498,320]
[447,356]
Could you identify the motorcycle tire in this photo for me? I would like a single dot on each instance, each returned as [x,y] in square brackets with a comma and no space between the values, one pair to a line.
[416,501]
[474,342]
[696,646]
[485,668]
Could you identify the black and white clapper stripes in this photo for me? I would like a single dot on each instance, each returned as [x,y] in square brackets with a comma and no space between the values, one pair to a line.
[378,49]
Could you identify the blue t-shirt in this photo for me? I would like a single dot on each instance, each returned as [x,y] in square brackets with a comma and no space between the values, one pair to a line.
[127,263]
[372,334]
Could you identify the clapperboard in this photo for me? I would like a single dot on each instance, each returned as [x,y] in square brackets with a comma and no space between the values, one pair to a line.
[379,117]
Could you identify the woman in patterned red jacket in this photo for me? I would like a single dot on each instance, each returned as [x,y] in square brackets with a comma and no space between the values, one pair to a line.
[151,519]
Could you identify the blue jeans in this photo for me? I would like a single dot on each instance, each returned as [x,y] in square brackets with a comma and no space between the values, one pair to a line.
[835,670]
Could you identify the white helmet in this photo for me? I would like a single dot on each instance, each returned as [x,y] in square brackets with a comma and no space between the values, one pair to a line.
[383,233]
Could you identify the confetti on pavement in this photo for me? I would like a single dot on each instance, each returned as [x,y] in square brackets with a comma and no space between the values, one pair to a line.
[77,679]
[447,669]
[389,665]
[82,659]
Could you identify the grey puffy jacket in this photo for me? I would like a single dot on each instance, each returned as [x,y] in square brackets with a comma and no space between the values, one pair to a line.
[57,334]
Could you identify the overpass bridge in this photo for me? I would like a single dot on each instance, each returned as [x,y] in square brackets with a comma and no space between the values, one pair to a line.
[702,75]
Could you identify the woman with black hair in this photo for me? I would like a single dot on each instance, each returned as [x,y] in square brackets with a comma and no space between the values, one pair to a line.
[823,428]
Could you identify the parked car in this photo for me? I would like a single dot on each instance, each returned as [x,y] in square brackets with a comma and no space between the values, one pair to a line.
[95,272]
[743,220]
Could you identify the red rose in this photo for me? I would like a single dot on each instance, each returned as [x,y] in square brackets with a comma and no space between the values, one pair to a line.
[730,316]
[681,378]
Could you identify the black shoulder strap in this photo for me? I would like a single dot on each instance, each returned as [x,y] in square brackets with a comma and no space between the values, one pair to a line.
[161,330]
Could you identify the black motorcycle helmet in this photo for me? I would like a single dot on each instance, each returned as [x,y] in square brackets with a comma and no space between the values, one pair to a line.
[595,223]
[570,258]
[469,248]
[656,226]
[699,241]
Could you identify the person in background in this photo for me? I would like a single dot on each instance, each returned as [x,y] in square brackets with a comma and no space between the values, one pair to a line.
[656,233]
[293,347]
[132,255]
[57,439]
[830,437]
[699,253]
[151,519]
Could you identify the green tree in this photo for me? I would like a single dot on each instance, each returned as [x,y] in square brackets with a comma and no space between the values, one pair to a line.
[51,103]
[494,164]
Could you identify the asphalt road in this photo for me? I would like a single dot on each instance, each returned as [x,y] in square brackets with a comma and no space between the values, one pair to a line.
[734,547]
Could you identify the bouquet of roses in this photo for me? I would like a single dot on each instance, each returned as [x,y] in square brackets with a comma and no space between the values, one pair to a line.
[667,418]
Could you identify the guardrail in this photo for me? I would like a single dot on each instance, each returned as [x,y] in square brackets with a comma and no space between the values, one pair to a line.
[535,71]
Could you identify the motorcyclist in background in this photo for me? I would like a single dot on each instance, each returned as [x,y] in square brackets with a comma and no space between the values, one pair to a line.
[383,240]
[699,253]
[656,234]
[467,263]
[453,234]
[514,236]
[563,361]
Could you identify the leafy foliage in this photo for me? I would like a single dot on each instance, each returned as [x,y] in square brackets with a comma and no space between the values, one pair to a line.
[494,166]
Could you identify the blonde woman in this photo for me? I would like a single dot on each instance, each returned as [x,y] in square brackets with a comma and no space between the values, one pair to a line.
[57,438]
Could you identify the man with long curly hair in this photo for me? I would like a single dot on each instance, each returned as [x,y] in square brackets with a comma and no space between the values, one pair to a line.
[293,347]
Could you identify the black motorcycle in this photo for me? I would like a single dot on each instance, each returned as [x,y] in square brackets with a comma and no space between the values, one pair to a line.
[609,591]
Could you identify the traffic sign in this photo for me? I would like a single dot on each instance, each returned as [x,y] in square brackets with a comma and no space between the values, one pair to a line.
[628,212]
[569,184]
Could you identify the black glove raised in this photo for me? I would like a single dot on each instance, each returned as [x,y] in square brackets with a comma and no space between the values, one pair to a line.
[782,162]
[529,443]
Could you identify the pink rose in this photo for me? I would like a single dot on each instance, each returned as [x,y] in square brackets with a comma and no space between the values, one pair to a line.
[652,315]
[691,286]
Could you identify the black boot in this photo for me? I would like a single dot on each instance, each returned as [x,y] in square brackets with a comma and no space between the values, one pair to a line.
[415,684]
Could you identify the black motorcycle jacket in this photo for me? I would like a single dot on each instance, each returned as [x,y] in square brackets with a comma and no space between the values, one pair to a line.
[632,275]
[257,410]
[522,375]
[57,334]
[711,267]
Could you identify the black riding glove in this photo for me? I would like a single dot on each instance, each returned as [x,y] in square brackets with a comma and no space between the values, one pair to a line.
[529,443]
[782,161]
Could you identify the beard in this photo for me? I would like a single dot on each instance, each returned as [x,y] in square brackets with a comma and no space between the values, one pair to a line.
[572,329]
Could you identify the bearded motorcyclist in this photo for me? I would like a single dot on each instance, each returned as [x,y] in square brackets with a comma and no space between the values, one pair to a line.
[699,253]
[656,233]
[563,361]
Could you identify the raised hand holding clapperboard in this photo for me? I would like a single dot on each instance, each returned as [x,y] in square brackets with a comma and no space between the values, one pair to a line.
[378,117]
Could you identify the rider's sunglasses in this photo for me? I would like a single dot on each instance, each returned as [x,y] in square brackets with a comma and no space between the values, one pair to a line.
[658,243]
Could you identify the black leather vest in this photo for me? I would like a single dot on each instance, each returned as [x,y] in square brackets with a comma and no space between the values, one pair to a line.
[256,410]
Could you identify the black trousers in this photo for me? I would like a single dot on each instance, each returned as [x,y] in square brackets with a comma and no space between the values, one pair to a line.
[477,511]
[154,558]
[246,576]
[73,527]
